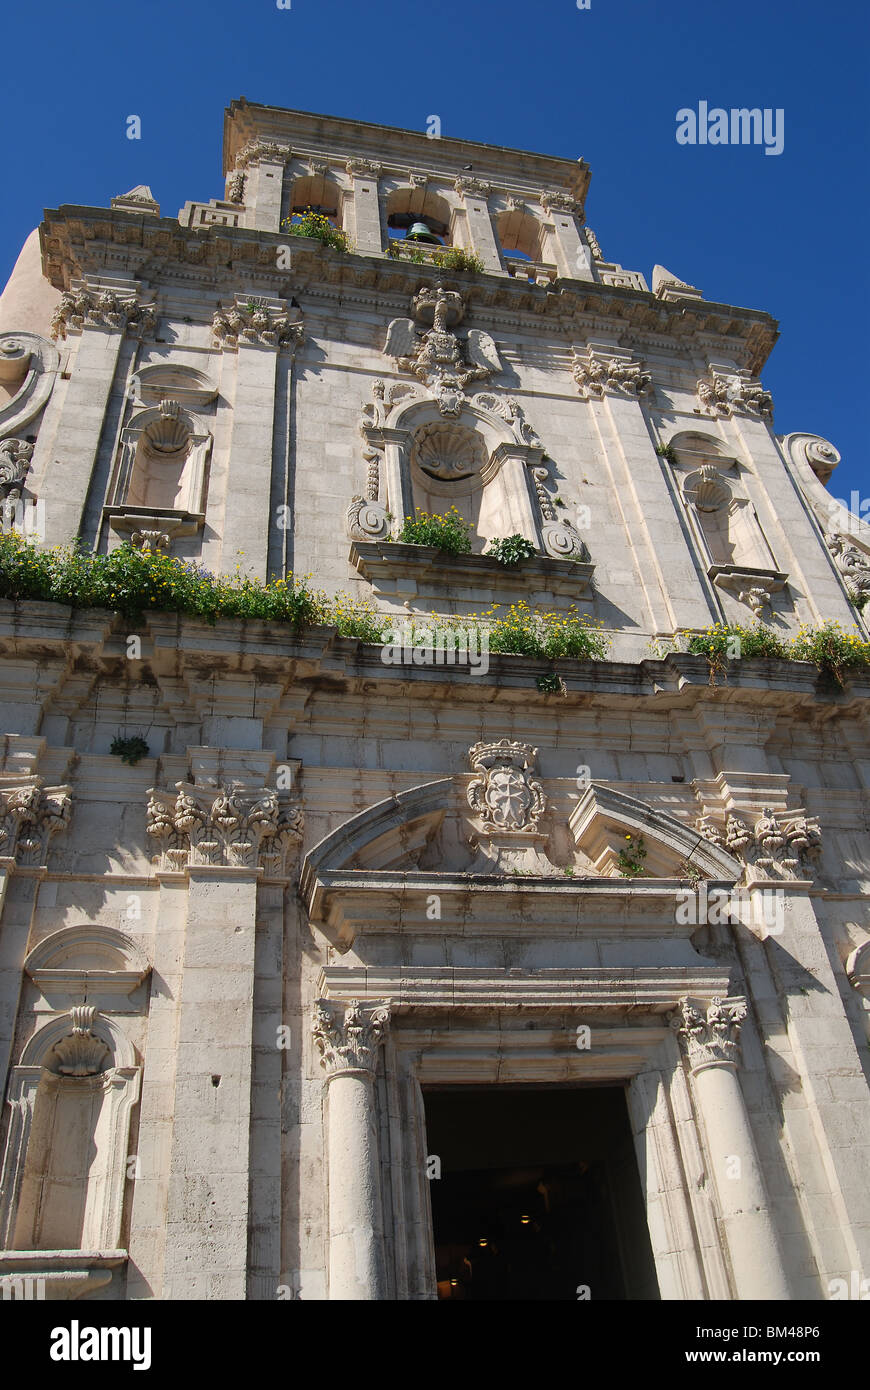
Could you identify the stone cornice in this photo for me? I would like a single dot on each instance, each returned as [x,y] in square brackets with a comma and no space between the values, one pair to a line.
[335,137]
[38,630]
[77,240]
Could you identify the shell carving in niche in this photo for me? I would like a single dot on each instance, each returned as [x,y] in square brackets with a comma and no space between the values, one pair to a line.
[448,452]
[710,489]
[169,434]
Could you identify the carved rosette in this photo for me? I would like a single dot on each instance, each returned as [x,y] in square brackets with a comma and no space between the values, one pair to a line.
[777,847]
[719,394]
[597,376]
[709,1034]
[352,1044]
[256,322]
[29,816]
[852,563]
[504,794]
[81,308]
[236,828]
[80,1052]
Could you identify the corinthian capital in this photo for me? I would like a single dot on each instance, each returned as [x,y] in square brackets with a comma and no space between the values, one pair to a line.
[237,828]
[710,1033]
[352,1044]
[29,816]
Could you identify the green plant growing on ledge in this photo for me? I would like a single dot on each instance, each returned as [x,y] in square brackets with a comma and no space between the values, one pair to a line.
[666,451]
[450,533]
[524,631]
[415,254]
[631,856]
[831,649]
[551,684]
[455,258]
[129,750]
[511,550]
[319,228]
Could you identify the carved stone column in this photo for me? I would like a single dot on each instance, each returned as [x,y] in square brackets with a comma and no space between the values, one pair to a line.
[349,1052]
[709,1036]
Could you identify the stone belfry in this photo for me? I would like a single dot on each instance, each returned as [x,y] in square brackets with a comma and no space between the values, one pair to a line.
[314,949]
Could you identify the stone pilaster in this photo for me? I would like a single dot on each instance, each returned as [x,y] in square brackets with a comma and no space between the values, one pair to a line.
[475,194]
[367,233]
[349,1053]
[709,1035]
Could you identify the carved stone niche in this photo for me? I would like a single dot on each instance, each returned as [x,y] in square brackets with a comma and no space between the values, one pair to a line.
[159,484]
[437,447]
[724,523]
[65,1163]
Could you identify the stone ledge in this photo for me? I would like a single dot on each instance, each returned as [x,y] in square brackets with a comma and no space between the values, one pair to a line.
[430,570]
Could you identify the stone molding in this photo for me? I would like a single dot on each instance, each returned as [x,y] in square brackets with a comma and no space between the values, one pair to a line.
[265,151]
[350,1045]
[29,816]
[236,828]
[709,1034]
[560,200]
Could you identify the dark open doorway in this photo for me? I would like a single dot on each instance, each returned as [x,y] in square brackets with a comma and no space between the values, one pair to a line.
[539,1195]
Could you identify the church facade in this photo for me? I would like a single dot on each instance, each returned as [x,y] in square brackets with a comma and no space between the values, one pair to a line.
[338,969]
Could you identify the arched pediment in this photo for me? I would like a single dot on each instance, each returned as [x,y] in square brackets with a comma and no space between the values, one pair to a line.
[93,958]
[389,834]
[604,816]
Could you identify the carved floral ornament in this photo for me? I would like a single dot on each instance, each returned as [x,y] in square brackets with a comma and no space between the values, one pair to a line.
[852,563]
[254,321]
[84,307]
[505,795]
[349,1045]
[15,456]
[709,1034]
[29,816]
[269,151]
[777,846]
[721,394]
[234,827]
[560,200]
[598,374]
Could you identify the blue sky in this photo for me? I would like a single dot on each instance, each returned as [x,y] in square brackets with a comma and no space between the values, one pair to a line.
[785,233]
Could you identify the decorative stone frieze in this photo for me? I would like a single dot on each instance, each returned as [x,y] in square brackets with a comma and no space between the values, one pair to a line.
[267,151]
[477,188]
[596,375]
[15,456]
[364,168]
[710,1033]
[255,321]
[720,394]
[559,200]
[81,1052]
[29,816]
[237,828]
[437,356]
[777,847]
[853,564]
[352,1044]
[504,794]
[80,308]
